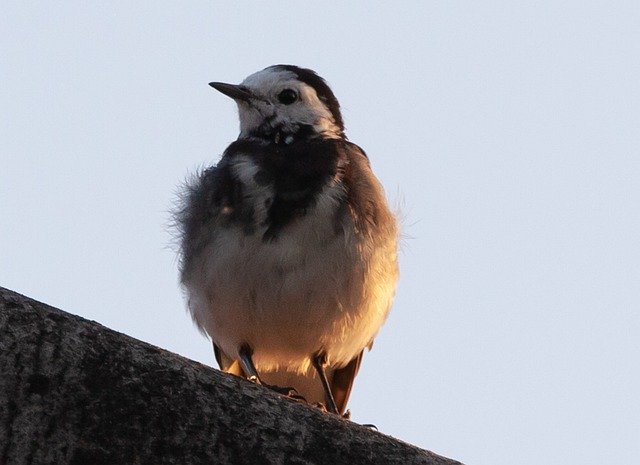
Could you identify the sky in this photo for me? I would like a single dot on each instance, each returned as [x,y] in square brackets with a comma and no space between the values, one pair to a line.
[507,133]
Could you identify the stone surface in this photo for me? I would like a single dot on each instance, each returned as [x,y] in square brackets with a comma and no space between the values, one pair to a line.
[74,392]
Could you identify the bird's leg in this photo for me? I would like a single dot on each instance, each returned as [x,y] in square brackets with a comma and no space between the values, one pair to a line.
[320,363]
[246,362]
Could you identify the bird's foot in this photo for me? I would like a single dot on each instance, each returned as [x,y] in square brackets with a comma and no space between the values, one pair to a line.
[321,406]
[346,415]
[289,392]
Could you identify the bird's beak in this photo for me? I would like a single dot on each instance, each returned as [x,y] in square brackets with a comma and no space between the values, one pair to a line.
[231,90]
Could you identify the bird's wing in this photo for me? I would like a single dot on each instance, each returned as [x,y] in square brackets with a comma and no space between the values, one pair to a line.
[365,195]
[211,198]
[226,363]
[342,382]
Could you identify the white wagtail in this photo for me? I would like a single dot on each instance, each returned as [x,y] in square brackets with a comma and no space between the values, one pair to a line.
[288,246]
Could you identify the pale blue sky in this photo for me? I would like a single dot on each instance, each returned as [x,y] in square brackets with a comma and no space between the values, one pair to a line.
[507,131]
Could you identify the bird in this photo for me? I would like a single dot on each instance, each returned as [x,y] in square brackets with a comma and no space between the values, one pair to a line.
[288,246]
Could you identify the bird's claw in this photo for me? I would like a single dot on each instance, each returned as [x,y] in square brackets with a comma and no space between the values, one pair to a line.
[346,415]
[289,392]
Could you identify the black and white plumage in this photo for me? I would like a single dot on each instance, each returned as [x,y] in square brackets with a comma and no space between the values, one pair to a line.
[288,247]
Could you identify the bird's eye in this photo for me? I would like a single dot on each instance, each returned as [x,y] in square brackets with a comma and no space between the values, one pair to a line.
[287,96]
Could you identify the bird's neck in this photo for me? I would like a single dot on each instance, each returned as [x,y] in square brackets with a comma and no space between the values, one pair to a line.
[286,134]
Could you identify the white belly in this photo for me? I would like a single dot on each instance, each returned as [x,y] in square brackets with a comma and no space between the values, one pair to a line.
[310,290]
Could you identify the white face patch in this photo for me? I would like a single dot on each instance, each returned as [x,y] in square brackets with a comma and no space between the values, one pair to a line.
[308,109]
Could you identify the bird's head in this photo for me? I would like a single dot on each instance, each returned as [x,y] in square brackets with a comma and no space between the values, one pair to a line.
[285,100]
